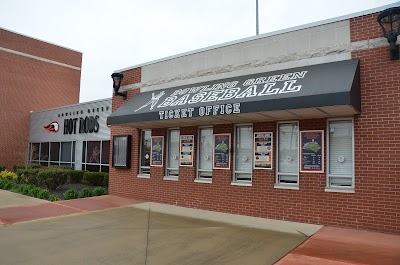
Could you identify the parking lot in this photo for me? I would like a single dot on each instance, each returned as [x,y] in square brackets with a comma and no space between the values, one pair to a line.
[127,235]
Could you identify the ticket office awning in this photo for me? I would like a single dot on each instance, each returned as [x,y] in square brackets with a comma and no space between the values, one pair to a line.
[317,91]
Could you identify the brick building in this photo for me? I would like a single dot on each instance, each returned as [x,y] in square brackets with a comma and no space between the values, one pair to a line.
[34,75]
[300,125]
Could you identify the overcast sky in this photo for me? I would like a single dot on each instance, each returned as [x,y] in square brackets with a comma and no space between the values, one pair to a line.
[120,33]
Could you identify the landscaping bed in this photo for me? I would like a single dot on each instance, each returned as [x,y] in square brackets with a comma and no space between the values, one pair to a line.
[77,186]
[53,183]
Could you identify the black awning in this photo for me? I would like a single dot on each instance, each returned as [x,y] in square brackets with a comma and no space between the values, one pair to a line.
[324,88]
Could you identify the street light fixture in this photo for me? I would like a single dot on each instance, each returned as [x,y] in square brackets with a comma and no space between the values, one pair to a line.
[389,20]
[117,78]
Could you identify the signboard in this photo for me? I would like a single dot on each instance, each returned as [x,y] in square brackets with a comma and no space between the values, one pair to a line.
[186,150]
[262,150]
[312,151]
[222,151]
[277,90]
[157,145]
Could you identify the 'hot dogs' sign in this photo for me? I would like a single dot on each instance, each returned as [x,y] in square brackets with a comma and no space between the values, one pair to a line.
[89,124]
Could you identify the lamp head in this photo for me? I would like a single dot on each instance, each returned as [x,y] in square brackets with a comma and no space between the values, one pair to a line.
[117,78]
[389,20]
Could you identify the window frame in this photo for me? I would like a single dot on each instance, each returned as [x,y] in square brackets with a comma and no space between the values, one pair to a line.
[167,168]
[278,184]
[100,164]
[49,162]
[142,132]
[328,186]
[198,178]
[127,155]
[234,171]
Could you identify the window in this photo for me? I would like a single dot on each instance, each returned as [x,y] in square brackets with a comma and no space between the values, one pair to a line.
[121,151]
[44,154]
[145,147]
[205,154]
[53,154]
[288,154]
[95,156]
[243,163]
[340,154]
[173,153]
[35,150]
[67,152]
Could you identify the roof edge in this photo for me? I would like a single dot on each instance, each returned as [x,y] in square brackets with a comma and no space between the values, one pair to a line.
[41,40]
[72,105]
[268,34]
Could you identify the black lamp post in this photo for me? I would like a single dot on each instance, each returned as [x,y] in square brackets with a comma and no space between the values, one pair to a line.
[389,20]
[117,78]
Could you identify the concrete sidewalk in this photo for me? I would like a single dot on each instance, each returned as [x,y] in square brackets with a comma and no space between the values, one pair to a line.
[127,235]
[8,198]
[329,245]
[40,209]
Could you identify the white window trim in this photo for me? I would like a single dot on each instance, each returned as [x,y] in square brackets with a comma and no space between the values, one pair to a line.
[241,182]
[278,185]
[203,181]
[174,178]
[142,176]
[198,178]
[170,177]
[328,188]
[140,154]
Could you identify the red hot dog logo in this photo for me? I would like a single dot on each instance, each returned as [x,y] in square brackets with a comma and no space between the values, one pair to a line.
[52,127]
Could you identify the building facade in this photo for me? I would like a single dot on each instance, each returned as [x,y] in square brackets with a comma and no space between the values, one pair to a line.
[76,136]
[298,125]
[34,75]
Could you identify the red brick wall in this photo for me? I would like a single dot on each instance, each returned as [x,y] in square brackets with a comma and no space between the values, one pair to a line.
[375,205]
[38,48]
[365,28]
[28,84]
[120,179]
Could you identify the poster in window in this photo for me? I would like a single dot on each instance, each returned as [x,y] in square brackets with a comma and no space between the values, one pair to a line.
[186,150]
[262,150]
[157,145]
[312,151]
[222,150]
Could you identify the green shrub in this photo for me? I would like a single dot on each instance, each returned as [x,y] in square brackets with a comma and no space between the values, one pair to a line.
[2,168]
[105,182]
[3,182]
[94,178]
[52,178]
[24,188]
[25,166]
[8,175]
[71,194]
[9,185]
[54,198]
[85,193]
[34,191]
[27,176]
[43,194]
[76,176]
[59,167]
[99,191]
